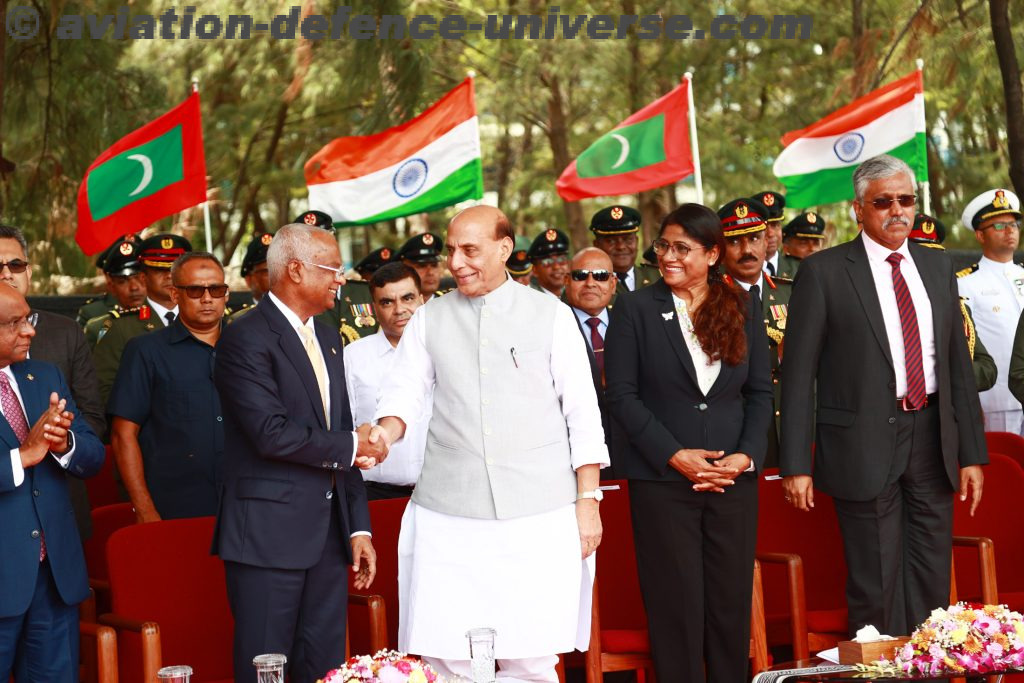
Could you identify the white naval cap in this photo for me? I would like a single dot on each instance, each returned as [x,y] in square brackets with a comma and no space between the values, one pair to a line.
[988,204]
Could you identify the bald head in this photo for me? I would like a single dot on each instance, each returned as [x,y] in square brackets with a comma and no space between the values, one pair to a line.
[15,332]
[485,215]
[480,240]
[592,257]
[591,294]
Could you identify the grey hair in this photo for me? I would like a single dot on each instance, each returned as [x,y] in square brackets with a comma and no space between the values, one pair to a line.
[876,168]
[180,262]
[9,232]
[293,242]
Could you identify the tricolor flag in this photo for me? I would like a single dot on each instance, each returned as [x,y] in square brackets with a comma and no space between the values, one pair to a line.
[149,174]
[424,164]
[818,162]
[649,149]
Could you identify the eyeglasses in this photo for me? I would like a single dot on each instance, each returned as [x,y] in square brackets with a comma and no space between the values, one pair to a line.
[338,272]
[17,324]
[554,260]
[905,200]
[582,275]
[197,291]
[999,227]
[662,247]
[16,266]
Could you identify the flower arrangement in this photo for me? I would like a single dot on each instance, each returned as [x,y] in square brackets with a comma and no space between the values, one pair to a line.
[387,666]
[964,638]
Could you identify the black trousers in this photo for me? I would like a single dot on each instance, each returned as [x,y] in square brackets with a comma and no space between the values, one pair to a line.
[297,612]
[695,558]
[899,546]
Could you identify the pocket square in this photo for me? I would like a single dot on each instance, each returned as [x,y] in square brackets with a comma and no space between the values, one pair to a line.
[669,315]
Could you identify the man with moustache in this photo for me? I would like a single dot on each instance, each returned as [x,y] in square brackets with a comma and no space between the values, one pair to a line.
[167,429]
[125,288]
[875,335]
[549,254]
[802,236]
[616,230]
[504,520]
[994,289]
[368,361]
[775,205]
[745,227]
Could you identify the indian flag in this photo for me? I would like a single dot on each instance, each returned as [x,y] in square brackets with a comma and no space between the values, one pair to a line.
[424,164]
[818,162]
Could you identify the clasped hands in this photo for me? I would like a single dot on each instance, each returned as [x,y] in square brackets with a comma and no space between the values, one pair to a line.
[373,446]
[712,476]
[48,435]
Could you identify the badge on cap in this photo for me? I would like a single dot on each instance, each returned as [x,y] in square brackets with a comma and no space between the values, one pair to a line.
[1000,201]
[520,256]
[266,239]
[768,199]
[125,249]
[551,235]
[812,218]
[385,254]
[309,219]
[927,227]
[167,243]
[428,239]
[741,210]
[616,213]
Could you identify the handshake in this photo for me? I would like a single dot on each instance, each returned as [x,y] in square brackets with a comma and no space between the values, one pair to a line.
[373,446]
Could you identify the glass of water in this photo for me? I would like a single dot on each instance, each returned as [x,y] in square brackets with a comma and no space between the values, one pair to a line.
[175,674]
[481,654]
[270,668]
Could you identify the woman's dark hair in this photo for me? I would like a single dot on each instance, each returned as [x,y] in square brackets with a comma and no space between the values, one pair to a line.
[721,318]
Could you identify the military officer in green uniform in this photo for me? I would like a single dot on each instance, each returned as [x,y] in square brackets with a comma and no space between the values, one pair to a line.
[125,288]
[931,232]
[369,264]
[254,270]
[422,253]
[549,254]
[801,237]
[518,264]
[775,204]
[616,232]
[157,254]
[744,227]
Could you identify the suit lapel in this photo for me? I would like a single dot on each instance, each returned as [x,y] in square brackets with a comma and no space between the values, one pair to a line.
[864,285]
[30,396]
[330,348]
[670,322]
[288,339]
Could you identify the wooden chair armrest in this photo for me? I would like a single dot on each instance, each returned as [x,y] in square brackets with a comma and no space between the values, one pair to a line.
[150,632]
[794,565]
[377,616]
[986,565]
[102,658]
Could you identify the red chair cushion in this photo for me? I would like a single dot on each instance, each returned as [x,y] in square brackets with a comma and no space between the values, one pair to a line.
[105,521]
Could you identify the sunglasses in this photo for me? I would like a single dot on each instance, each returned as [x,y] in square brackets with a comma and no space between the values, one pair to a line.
[582,275]
[16,266]
[905,200]
[197,291]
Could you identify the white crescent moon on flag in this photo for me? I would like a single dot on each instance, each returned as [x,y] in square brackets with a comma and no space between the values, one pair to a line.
[147,171]
[625,149]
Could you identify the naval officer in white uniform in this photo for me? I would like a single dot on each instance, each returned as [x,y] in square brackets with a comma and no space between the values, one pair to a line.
[504,519]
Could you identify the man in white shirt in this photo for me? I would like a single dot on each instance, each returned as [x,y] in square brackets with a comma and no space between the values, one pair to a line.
[504,520]
[395,289]
[994,289]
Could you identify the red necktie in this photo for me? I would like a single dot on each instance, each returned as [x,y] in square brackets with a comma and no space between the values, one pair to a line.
[16,419]
[597,344]
[916,391]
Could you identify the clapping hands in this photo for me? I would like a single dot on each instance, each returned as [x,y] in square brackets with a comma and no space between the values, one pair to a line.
[49,434]
[373,446]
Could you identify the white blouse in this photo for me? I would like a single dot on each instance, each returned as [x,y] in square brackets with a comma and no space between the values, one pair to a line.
[707,369]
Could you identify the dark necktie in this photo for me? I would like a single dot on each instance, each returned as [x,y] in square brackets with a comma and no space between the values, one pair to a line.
[169,316]
[16,419]
[770,267]
[755,291]
[916,391]
[622,278]
[597,344]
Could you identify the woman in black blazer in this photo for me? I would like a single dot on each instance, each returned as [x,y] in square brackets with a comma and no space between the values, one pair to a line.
[689,379]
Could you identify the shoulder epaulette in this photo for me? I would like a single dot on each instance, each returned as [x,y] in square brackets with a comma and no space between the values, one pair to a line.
[114,313]
[782,279]
[967,271]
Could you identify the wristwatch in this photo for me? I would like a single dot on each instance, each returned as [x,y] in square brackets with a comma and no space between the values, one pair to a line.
[596,494]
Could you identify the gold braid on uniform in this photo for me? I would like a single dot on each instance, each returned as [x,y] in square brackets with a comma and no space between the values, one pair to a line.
[348,333]
[972,334]
[775,335]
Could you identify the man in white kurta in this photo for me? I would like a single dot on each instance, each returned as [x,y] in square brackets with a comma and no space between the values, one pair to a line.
[994,289]
[504,519]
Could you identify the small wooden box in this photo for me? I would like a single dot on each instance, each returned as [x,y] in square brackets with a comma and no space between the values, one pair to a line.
[851,652]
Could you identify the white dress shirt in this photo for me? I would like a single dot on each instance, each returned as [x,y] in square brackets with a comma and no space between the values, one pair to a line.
[881,272]
[161,311]
[774,260]
[367,362]
[707,369]
[630,280]
[583,317]
[16,468]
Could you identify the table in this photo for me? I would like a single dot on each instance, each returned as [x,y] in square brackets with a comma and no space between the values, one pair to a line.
[815,669]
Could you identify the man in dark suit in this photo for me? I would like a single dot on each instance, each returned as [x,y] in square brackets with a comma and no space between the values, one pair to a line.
[293,508]
[42,569]
[59,340]
[896,425]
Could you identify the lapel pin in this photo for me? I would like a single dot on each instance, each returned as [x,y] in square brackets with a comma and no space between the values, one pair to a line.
[669,315]
[334,351]
[30,376]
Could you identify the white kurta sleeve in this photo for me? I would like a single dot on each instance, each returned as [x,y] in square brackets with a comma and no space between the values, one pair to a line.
[405,390]
[574,384]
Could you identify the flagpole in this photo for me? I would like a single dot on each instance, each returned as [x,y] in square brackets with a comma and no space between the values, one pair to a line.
[694,147]
[206,204]
[925,184]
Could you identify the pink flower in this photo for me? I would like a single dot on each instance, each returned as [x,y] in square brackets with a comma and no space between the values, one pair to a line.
[404,665]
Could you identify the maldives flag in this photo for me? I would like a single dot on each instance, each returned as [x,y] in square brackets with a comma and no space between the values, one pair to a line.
[149,174]
[649,149]
[818,162]
[427,163]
